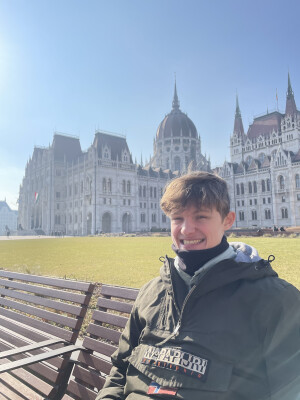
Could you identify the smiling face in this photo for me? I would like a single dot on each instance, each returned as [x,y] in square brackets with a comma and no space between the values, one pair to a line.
[194,228]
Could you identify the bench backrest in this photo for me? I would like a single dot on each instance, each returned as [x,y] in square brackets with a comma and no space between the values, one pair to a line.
[34,309]
[108,320]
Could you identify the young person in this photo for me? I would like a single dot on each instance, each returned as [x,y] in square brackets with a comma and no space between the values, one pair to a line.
[218,323]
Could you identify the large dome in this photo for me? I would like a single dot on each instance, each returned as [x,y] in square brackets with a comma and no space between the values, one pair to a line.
[176,123]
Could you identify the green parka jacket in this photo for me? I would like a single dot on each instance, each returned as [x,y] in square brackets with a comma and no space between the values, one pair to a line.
[234,336]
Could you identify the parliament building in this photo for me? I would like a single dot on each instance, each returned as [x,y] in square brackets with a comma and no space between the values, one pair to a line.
[264,172]
[69,191]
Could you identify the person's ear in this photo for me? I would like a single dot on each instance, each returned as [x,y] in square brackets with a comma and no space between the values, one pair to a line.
[229,220]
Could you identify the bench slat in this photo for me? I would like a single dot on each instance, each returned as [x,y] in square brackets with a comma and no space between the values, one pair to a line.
[45,291]
[113,319]
[56,305]
[49,281]
[120,306]
[119,291]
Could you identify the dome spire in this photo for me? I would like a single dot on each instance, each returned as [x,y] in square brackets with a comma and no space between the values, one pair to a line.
[175,103]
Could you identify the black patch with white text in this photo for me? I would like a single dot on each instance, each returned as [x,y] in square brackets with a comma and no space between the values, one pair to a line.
[176,360]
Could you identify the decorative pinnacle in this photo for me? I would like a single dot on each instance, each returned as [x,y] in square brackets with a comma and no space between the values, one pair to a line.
[289,92]
[175,103]
[237,108]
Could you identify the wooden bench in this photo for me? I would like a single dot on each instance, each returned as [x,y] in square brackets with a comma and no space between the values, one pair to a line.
[40,317]
[103,333]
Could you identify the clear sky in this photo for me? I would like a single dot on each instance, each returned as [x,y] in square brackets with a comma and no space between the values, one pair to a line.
[74,66]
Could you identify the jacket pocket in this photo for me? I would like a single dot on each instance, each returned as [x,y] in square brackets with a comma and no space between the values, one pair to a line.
[173,367]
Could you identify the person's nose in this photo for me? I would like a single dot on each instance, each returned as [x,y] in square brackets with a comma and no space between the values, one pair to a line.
[188,226]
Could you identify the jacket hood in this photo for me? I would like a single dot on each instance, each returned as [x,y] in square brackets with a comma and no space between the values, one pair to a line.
[224,272]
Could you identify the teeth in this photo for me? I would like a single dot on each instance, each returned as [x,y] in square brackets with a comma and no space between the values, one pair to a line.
[192,241]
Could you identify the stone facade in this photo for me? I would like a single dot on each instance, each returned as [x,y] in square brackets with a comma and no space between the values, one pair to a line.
[66,190]
[264,172]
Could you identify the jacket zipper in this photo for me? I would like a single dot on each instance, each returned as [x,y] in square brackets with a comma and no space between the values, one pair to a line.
[178,325]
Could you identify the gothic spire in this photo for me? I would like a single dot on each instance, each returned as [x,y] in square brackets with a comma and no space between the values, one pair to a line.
[237,108]
[290,107]
[238,122]
[175,103]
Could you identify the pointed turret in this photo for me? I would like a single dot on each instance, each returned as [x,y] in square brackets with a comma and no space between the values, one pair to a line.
[175,103]
[238,122]
[290,107]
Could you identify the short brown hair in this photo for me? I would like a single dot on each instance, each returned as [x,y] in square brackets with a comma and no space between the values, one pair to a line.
[201,189]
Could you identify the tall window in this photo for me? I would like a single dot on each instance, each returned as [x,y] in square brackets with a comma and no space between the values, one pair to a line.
[250,187]
[104,185]
[124,186]
[144,191]
[267,214]
[281,182]
[242,188]
[263,186]
[284,213]
[241,215]
[237,189]
[109,185]
[128,187]
[140,191]
[254,215]
[153,217]
[297,181]
[177,163]
[143,217]
[254,187]
[268,185]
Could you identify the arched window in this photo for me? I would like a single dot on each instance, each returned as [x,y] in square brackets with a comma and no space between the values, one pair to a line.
[297,181]
[263,186]
[104,185]
[242,188]
[128,187]
[261,157]
[109,185]
[250,187]
[237,189]
[249,160]
[281,182]
[267,214]
[284,213]
[254,187]
[177,163]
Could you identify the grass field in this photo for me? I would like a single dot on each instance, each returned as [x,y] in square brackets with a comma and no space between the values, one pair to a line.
[126,261]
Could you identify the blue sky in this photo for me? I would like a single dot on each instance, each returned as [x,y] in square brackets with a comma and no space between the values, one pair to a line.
[74,66]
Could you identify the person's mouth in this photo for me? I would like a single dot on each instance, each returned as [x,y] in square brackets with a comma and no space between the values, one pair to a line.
[191,242]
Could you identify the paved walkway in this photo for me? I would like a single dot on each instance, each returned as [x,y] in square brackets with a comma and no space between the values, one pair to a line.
[27,237]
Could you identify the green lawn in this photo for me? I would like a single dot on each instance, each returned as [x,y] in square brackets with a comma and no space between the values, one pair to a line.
[127,261]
